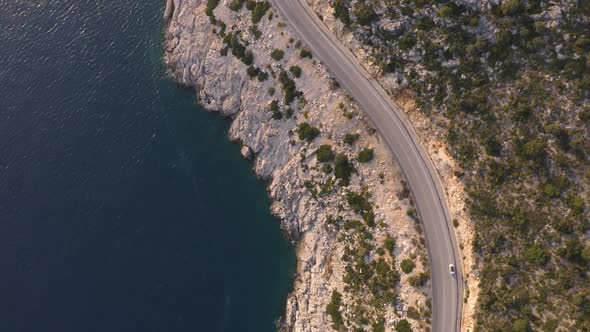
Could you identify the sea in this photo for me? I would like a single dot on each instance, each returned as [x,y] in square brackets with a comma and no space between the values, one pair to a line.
[123,206]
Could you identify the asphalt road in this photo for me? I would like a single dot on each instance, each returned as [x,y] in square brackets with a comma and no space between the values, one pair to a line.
[420,174]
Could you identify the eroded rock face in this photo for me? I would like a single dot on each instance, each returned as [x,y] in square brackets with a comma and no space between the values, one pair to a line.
[288,163]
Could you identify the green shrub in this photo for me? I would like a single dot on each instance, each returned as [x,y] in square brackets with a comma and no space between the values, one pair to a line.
[379,325]
[419,280]
[341,11]
[236,5]
[296,70]
[274,106]
[289,88]
[534,149]
[407,266]
[364,12]
[511,7]
[493,147]
[252,71]
[250,4]
[307,132]
[403,326]
[262,76]
[550,190]
[342,168]
[277,115]
[576,203]
[520,325]
[333,310]
[351,138]
[445,11]
[256,33]
[325,153]
[407,41]
[237,49]
[358,202]
[277,54]
[389,244]
[248,58]
[259,10]
[535,254]
[305,53]
[211,4]
[586,254]
[413,313]
[365,155]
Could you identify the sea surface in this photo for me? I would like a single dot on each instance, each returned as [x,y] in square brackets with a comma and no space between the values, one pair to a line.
[123,207]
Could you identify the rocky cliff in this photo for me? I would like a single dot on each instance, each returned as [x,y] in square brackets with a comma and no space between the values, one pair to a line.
[332,180]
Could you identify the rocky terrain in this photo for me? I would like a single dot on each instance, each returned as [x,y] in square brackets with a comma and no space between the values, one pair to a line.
[499,91]
[333,182]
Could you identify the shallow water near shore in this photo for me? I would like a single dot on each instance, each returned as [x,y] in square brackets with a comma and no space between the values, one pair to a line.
[123,207]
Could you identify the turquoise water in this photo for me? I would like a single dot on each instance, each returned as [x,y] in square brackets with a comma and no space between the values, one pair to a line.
[123,207]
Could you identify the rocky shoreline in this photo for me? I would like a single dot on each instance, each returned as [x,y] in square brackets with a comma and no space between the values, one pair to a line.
[301,147]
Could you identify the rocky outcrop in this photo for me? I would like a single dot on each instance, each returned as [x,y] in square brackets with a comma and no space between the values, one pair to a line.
[306,195]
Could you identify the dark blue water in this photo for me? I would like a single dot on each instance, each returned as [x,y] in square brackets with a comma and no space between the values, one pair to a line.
[123,207]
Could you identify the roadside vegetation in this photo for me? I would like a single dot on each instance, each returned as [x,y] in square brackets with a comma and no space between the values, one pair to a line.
[509,86]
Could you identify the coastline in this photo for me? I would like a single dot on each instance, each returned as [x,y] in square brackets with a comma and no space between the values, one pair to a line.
[288,165]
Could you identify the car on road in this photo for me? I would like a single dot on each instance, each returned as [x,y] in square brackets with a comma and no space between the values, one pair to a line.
[452,269]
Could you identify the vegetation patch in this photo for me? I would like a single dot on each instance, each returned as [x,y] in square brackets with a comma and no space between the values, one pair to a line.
[307,132]
[365,155]
[509,84]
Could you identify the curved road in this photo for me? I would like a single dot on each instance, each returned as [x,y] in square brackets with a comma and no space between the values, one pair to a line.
[420,174]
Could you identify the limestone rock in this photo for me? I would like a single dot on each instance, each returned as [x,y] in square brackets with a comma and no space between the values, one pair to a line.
[246,152]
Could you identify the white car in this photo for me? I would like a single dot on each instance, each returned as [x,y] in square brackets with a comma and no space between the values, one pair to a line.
[452,269]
